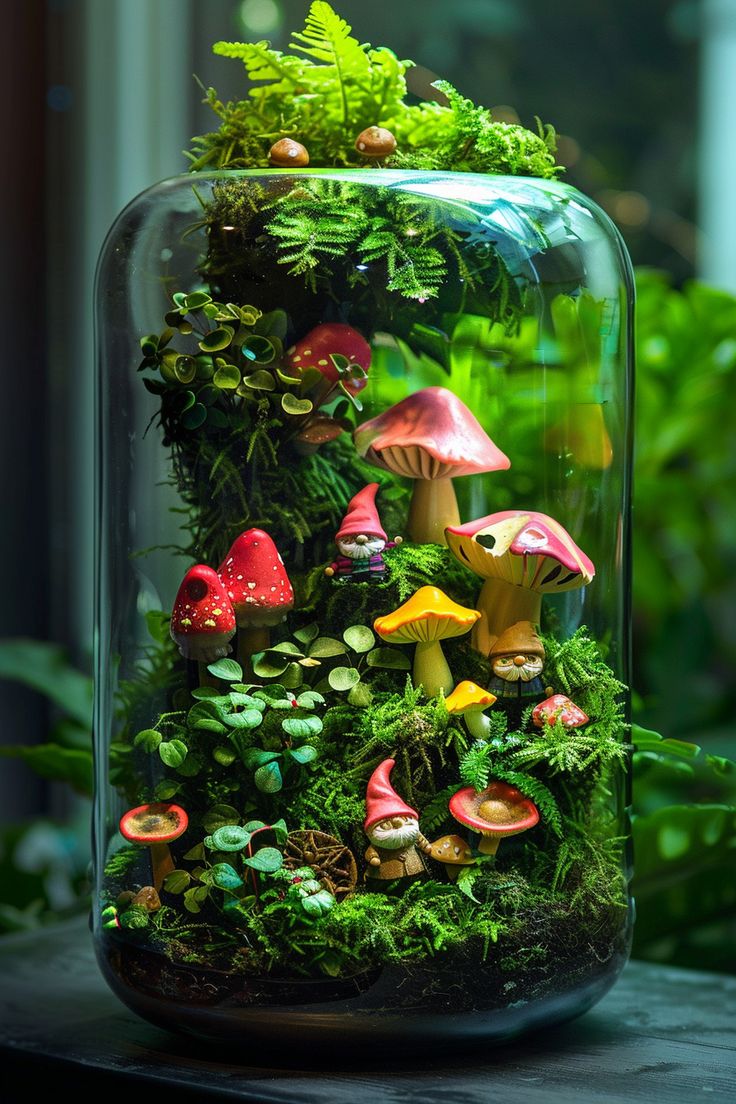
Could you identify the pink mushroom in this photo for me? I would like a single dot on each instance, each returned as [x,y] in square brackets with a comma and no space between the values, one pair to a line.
[521,555]
[430,437]
[559,708]
[256,583]
[202,621]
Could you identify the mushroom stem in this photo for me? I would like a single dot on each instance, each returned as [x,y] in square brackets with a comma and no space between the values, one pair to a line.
[477,724]
[431,669]
[161,863]
[433,507]
[252,639]
[489,844]
[500,605]
[205,678]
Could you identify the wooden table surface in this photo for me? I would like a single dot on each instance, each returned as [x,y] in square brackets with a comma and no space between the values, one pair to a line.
[661,1035]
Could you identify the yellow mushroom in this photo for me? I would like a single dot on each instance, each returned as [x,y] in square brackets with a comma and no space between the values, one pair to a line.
[470,701]
[428,617]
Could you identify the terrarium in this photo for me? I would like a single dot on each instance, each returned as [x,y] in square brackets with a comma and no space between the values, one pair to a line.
[362,592]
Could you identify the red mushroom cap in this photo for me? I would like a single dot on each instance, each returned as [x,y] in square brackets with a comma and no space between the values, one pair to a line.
[559,708]
[429,435]
[523,547]
[256,582]
[157,823]
[203,620]
[317,348]
[465,805]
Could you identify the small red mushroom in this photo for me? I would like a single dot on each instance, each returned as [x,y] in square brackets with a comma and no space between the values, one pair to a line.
[256,583]
[326,341]
[203,619]
[155,825]
[496,812]
[559,708]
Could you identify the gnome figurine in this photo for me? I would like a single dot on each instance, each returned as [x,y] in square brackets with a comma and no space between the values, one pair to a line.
[517,662]
[361,541]
[392,827]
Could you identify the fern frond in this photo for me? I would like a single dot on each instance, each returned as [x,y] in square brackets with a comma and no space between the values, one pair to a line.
[536,791]
[436,812]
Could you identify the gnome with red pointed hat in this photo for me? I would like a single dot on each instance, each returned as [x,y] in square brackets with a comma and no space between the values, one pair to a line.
[361,541]
[392,826]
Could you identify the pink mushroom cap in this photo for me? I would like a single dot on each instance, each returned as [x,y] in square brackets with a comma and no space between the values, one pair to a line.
[559,708]
[499,545]
[429,435]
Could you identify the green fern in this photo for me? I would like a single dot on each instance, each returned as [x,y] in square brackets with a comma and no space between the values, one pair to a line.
[483,763]
[332,87]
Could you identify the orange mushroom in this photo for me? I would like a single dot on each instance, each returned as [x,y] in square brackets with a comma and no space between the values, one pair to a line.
[428,617]
[495,812]
[470,701]
[430,437]
[155,825]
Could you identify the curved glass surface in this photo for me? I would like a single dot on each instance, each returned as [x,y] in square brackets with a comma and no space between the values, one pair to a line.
[367,786]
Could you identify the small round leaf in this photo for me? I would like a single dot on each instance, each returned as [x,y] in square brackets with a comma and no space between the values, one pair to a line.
[359,637]
[172,752]
[226,669]
[268,778]
[227,377]
[148,739]
[267,860]
[343,678]
[292,405]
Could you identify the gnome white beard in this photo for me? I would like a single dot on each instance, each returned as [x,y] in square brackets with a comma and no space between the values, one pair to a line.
[506,669]
[383,834]
[355,551]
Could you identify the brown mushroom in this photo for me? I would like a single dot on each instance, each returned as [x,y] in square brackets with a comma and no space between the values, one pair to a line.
[375,142]
[521,555]
[428,617]
[453,852]
[147,898]
[288,154]
[495,812]
[156,826]
[430,437]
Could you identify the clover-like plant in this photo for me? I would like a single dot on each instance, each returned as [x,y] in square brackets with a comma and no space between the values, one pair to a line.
[346,665]
[232,861]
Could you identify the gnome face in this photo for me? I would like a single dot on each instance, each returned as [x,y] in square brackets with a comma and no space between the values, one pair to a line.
[361,546]
[518,653]
[518,668]
[394,832]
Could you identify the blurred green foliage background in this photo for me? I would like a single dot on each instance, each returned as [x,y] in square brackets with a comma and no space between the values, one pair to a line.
[619,81]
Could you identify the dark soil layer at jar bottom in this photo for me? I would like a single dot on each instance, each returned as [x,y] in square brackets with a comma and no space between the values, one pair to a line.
[460,1003]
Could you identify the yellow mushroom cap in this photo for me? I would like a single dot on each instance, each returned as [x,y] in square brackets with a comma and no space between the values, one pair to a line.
[468,695]
[427,616]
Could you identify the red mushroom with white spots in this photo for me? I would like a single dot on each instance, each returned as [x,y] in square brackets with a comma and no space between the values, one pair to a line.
[261,593]
[559,709]
[203,619]
[318,350]
[430,437]
[521,555]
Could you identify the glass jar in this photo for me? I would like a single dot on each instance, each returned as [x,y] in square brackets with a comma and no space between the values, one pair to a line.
[362,605]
